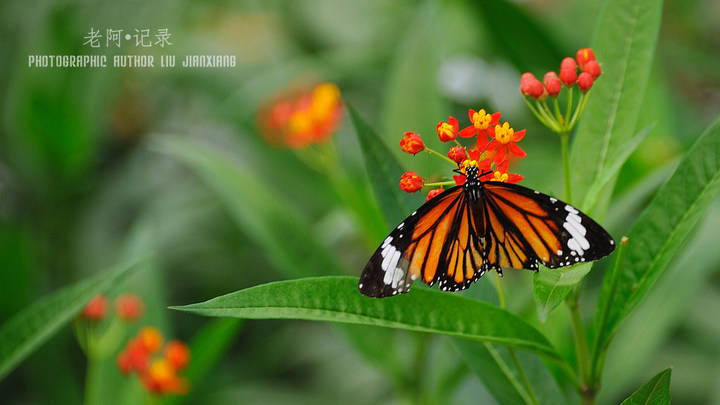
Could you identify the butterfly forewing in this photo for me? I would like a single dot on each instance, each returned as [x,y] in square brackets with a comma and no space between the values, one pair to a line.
[541,228]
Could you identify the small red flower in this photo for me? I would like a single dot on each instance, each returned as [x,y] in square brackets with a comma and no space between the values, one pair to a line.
[434,193]
[481,122]
[583,56]
[506,177]
[162,378]
[531,86]
[410,182]
[552,84]
[448,131]
[457,154]
[593,67]
[150,338]
[177,353]
[585,81]
[412,143]
[96,308]
[129,307]
[505,142]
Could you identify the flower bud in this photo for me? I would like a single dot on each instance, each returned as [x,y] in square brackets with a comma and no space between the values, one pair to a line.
[568,64]
[96,308]
[583,56]
[585,81]
[552,84]
[129,307]
[457,154]
[410,182]
[532,88]
[448,131]
[593,68]
[434,193]
[412,143]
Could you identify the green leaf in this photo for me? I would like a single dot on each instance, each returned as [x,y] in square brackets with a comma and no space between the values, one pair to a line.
[270,221]
[33,326]
[497,371]
[383,171]
[551,286]
[603,181]
[336,299]
[626,35]
[624,45]
[654,392]
[663,227]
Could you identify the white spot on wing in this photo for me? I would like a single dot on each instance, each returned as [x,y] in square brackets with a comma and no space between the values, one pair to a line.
[577,243]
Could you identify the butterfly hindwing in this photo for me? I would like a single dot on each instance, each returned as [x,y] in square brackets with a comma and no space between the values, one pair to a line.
[437,243]
[526,227]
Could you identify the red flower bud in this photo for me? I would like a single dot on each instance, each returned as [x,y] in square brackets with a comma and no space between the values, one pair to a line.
[96,309]
[593,68]
[410,182]
[568,76]
[411,143]
[568,64]
[583,56]
[433,193]
[532,88]
[448,131]
[585,81]
[177,354]
[552,84]
[129,307]
[457,154]
[526,76]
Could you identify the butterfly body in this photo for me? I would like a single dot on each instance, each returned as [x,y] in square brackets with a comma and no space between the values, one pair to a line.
[457,236]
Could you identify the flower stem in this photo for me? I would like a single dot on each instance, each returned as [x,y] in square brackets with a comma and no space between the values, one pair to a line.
[514,357]
[566,166]
[432,151]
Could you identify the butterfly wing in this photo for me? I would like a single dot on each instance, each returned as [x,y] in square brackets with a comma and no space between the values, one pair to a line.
[526,227]
[439,242]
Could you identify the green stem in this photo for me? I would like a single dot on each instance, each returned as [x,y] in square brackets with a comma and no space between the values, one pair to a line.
[581,342]
[564,138]
[568,109]
[518,366]
[431,151]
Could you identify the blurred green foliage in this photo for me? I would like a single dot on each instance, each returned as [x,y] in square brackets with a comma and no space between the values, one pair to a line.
[87,180]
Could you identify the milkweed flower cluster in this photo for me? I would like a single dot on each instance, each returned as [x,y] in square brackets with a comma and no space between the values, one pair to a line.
[552,86]
[492,144]
[302,119]
[100,331]
[156,365]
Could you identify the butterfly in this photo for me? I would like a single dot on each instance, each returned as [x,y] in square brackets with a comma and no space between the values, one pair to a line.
[457,236]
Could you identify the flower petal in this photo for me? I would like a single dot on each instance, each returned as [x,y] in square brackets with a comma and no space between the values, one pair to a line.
[518,135]
[468,132]
[516,150]
[500,156]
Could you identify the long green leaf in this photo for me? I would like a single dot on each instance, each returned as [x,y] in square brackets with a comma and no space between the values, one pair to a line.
[654,392]
[31,327]
[496,369]
[663,227]
[261,213]
[626,35]
[383,171]
[336,299]
[624,45]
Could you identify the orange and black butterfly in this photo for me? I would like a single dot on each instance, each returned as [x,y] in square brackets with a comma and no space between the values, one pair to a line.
[457,236]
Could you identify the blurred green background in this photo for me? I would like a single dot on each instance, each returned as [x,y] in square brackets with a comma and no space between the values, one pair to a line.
[85,180]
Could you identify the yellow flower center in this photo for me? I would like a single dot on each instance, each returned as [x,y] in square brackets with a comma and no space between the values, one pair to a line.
[466,163]
[499,176]
[481,119]
[447,129]
[504,133]
[325,100]
[300,122]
